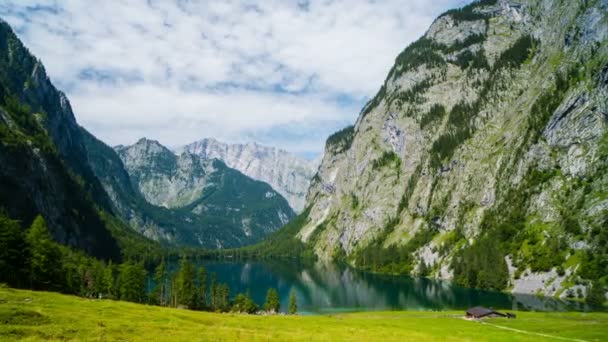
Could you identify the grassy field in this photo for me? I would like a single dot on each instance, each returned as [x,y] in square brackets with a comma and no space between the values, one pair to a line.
[27,315]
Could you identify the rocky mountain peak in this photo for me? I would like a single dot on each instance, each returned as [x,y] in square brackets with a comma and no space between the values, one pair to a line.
[286,173]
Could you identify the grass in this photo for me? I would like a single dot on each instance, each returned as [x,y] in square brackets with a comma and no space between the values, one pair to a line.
[32,316]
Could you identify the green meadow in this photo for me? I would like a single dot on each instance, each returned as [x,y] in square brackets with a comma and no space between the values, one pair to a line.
[34,316]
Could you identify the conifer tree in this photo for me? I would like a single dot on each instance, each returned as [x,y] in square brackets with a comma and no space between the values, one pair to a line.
[186,289]
[109,284]
[44,257]
[293,304]
[160,279]
[202,288]
[132,282]
[213,292]
[273,303]
[13,252]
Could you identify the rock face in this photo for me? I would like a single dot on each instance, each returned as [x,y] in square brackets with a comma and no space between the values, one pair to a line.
[288,175]
[489,134]
[205,202]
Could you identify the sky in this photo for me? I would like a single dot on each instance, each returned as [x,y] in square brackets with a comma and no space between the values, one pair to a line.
[282,73]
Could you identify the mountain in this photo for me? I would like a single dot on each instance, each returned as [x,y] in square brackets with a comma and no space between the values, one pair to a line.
[483,157]
[187,200]
[43,161]
[288,175]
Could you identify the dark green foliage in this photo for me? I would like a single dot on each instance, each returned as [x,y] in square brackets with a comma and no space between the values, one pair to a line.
[293,302]
[481,265]
[468,13]
[412,96]
[273,303]
[421,52]
[387,158]
[460,121]
[409,189]
[392,259]
[280,244]
[547,103]
[436,113]
[243,303]
[341,141]
[159,294]
[596,296]
[13,252]
[201,276]
[373,103]
[517,54]
[132,282]
[475,60]
[44,256]
[463,44]
[185,288]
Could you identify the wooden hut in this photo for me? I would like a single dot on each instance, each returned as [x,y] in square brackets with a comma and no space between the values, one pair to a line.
[481,312]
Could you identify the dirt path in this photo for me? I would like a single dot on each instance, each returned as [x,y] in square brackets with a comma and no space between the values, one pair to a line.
[532,333]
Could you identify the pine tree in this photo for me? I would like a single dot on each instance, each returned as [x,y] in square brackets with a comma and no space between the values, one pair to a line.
[44,256]
[213,292]
[223,294]
[596,295]
[202,288]
[160,279]
[13,252]
[109,285]
[293,304]
[186,289]
[273,303]
[132,282]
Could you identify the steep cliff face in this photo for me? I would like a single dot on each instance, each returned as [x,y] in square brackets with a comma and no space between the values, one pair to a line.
[43,163]
[287,174]
[192,201]
[485,151]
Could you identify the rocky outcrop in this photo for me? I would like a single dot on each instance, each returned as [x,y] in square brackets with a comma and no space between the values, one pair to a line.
[287,174]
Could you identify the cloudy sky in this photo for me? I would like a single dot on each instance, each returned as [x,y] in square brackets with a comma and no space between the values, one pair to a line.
[283,73]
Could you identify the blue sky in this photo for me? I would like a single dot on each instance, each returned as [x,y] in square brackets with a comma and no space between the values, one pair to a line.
[282,73]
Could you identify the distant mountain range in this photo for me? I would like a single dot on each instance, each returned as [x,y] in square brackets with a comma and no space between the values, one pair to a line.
[286,173]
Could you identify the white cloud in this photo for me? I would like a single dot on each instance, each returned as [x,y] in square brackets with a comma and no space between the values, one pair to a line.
[236,70]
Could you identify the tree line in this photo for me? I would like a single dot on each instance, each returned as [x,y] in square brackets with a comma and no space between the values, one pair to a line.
[30,258]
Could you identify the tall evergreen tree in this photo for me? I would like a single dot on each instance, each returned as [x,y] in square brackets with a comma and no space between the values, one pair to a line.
[160,280]
[293,303]
[132,282]
[44,257]
[273,303]
[213,292]
[223,295]
[13,252]
[596,296]
[109,284]
[186,289]
[202,288]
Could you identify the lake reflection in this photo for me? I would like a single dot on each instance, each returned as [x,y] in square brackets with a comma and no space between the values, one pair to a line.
[323,288]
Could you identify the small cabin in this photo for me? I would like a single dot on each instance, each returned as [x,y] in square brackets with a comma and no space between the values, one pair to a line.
[481,312]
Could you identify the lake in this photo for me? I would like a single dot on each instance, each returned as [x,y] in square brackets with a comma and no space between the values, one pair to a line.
[332,288]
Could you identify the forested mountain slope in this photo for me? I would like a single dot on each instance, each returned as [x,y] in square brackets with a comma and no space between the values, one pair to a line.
[43,162]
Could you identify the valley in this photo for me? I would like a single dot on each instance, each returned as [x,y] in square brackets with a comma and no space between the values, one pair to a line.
[477,175]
